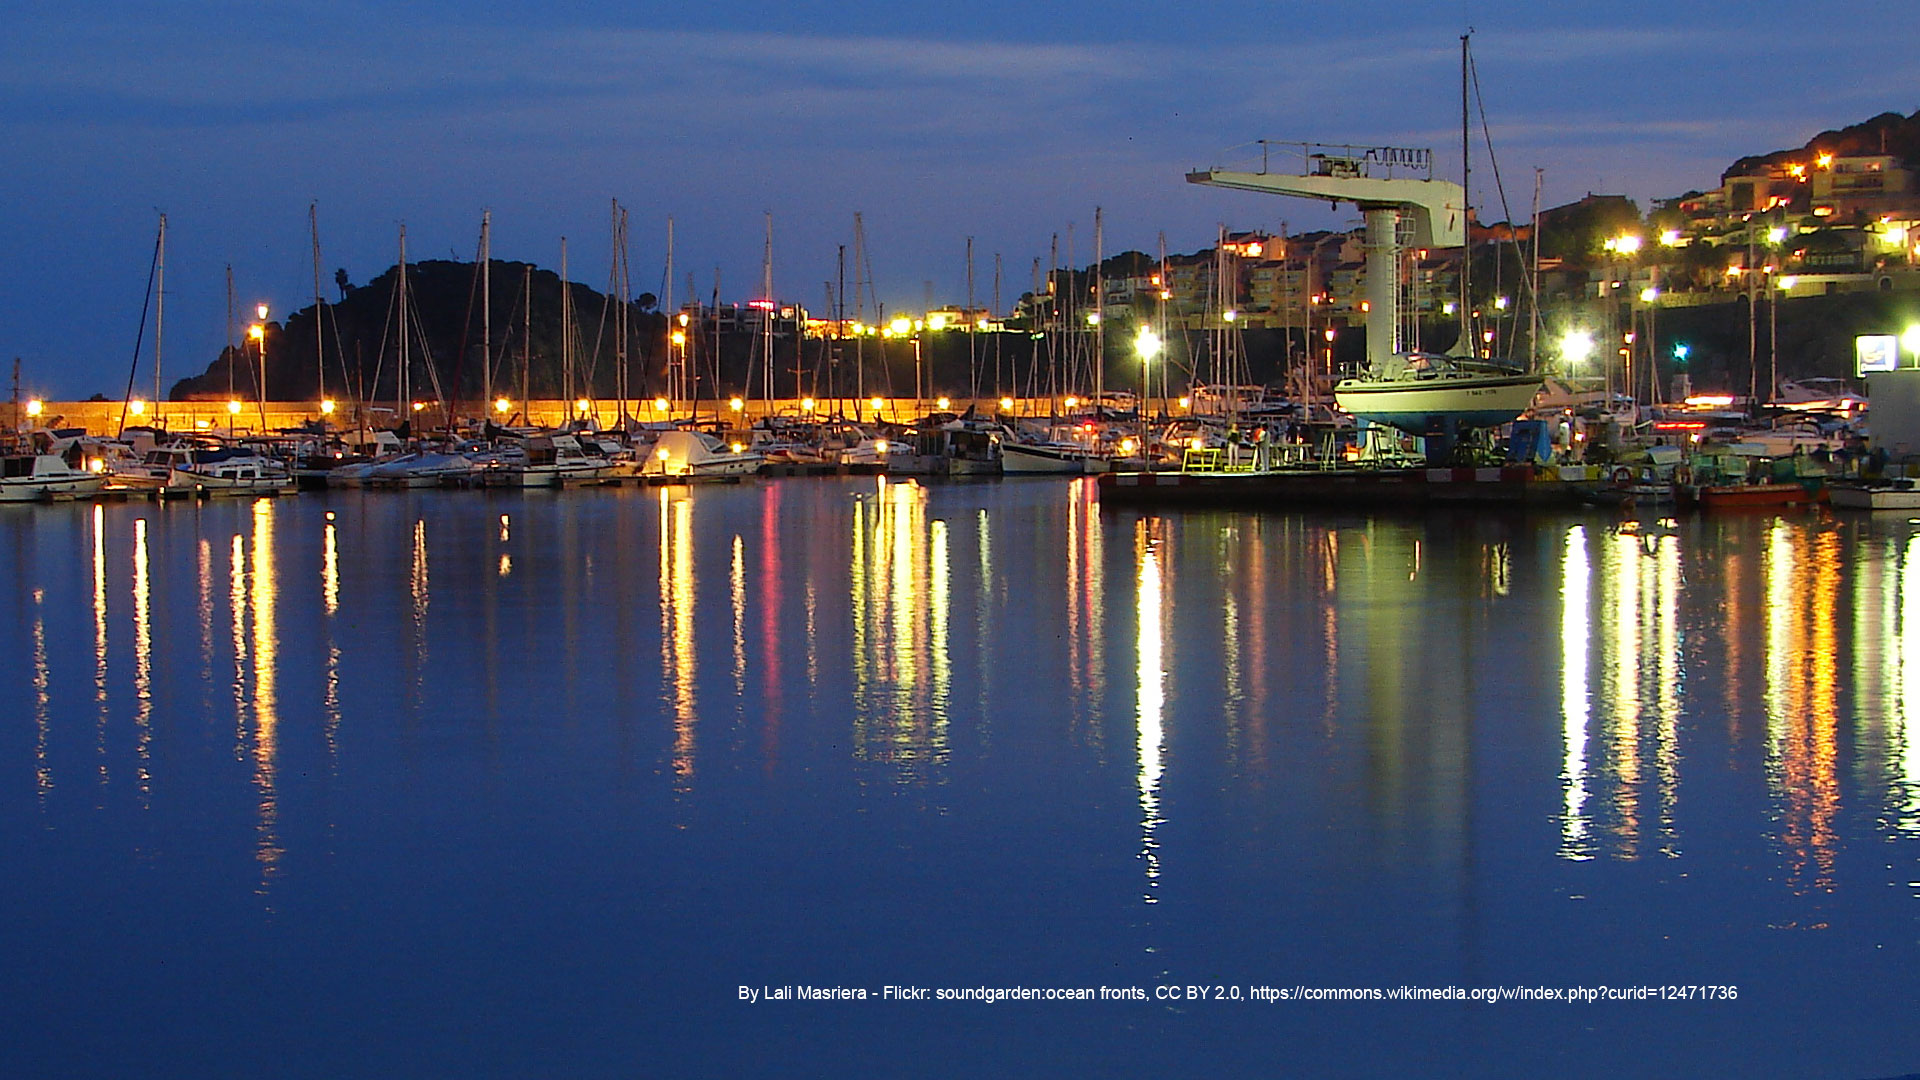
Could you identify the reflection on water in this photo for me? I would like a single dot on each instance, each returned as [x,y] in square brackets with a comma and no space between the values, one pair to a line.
[677,660]
[1576,579]
[262,598]
[1149,732]
[1802,589]
[1394,655]
[900,595]
[1906,749]
[142,664]
[100,637]
[42,770]
[330,598]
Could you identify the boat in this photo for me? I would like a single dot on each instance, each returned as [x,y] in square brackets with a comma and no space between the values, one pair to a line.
[1820,393]
[696,454]
[420,469]
[1758,496]
[1427,394]
[950,449]
[232,471]
[36,477]
[1049,459]
[548,461]
[1887,495]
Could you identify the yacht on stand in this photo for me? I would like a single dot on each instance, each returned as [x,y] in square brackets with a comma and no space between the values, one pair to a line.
[1438,397]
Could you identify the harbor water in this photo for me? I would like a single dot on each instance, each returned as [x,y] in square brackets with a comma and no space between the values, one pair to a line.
[609,782]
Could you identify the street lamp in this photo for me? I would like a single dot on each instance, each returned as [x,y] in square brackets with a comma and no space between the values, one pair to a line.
[1575,348]
[1147,344]
[258,332]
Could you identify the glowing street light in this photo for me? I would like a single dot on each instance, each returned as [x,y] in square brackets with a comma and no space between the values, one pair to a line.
[326,406]
[36,407]
[737,404]
[137,407]
[1006,404]
[502,405]
[233,408]
[806,404]
[944,404]
[1910,340]
[660,404]
[258,331]
[1576,348]
[581,405]
[1146,344]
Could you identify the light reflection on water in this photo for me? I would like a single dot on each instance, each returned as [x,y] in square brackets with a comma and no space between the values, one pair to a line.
[907,685]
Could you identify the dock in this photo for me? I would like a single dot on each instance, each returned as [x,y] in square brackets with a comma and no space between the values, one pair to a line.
[1507,485]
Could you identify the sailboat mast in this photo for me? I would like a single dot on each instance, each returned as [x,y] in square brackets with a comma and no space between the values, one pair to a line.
[998,387]
[1466,188]
[566,334]
[159,312]
[839,328]
[766,318]
[232,356]
[526,343]
[859,311]
[319,305]
[973,343]
[403,399]
[673,366]
[1099,308]
[486,309]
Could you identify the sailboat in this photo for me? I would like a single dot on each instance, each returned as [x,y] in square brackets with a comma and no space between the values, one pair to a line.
[1429,394]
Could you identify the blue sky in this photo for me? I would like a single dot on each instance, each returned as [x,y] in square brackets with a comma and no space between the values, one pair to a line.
[1001,121]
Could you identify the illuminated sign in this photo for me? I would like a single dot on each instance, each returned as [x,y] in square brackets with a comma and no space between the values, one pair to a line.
[1875,352]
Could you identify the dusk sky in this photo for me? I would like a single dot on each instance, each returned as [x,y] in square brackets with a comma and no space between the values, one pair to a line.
[1007,122]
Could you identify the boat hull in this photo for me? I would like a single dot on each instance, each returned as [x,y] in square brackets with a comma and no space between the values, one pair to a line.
[1860,497]
[1749,496]
[1439,406]
[1019,460]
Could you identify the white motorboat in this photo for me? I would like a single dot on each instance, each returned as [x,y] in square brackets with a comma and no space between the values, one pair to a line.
[1049,459]
[35,477]
[421,469]
[232,472]
[698,454]
[547,461]
[1820,393]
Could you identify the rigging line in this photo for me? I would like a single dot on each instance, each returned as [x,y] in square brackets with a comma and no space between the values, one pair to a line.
[140,336]
[1506,212]
[466,327]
